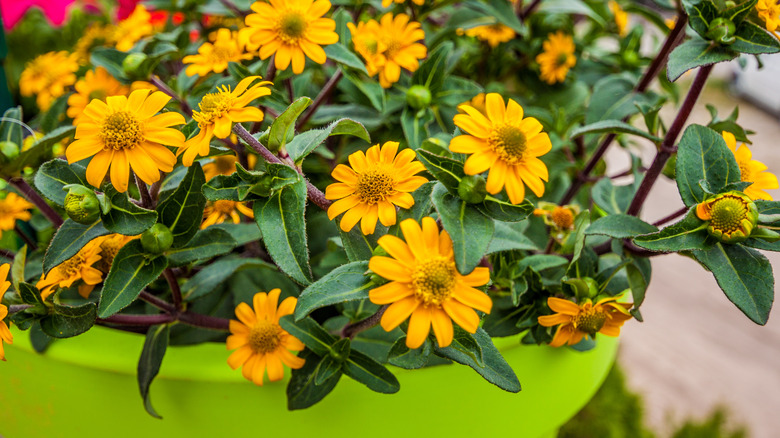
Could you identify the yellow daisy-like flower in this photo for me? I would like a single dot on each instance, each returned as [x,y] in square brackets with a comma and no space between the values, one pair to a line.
[375,183]
[124,133]
[402,50]
[5,334]
[136,26]
[560,217]
[215,56]
[219,211]
[504,143]
[218,112]
[293,30]
[577,321]
[13,207]
[47,76]
[425,286]
[109,246]
[751,170]
[365,38]
[621,18]
[557,59]
[493,34]
[78,267]
[260,342]
[769,11]
[386,3]
[220,165]
[97,84]
[96,35]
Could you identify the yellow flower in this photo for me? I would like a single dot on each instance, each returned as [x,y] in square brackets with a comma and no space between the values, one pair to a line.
[477,102]
[577,321]
[260,341]
[96,35]
[386,3]
[214,57]
[557,58]
[400,37]
[5,334]
[13,207]
[375,183]
[504,143]
[47,76]
[78,267]
[494,34]
[425,285]
[124,132]
[751,170]
[365,38]
[621,17]
[220,165]
[97,84]
[292,29]
[217,113]
[109,246]
[732,216]
[769,11]
[671,22]
[561,217]
[219,211]
[132,29]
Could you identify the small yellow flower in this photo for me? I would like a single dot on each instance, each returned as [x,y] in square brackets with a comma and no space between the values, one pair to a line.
[425,286]
[558,57]
[220,165]
[215,56]
[130,30]
[751,170]
[477,102]
[671,22]
[493,34]
[124,132]
[218,112]
[732,216]
[96,35]
[293,30]
[769,11]
[375,183]
[621,17]
[402,49]
[504,143]
[78,267]
[5,333]
[47,76]
[365,38]
[561,217]
[219,211]
[109,246]
[97,84]
[260,342]
[386,3]
[577,321]
[13,207]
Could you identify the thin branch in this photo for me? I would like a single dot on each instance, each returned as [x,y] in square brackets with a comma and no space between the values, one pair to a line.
[31,195]
[146,198]
[138,320]
[351,330]
[233,8]
[15,308]
[671,217]
[205,321]
[289,86]
[324,94]
[27,239]
[157,302]
[162,86]
[175,289]
[7,254]
[529,10]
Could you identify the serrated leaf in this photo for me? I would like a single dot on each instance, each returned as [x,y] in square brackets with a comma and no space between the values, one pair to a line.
[125,217]
[313,336]
[696,53]
[302,392]
[67,321]
[304,143]
[620,226]
[69,240]
[345,283]
[447,170]
[226,187]
[182,210]
[700,14]
[130,273]
[614,127]
[688,234]
[463,343]
[152,355]
[206,244]
[29,294]
[283,128]
[703,155]
[754,40]
[339,53]
[56,174]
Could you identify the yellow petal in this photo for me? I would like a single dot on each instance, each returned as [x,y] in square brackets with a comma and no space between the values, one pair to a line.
[397,313]
[419,327]
[389,293]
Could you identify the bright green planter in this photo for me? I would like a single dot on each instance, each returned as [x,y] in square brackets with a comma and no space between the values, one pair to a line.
[86,387]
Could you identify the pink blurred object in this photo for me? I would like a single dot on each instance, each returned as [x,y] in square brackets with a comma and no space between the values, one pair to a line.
[126,7]
[13,10]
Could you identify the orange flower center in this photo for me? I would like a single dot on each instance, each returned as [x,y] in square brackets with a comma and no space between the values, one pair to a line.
[590,320]
[433,280]
[373,186]
[265,337]
[223,207]
[108,250]
[728,213]
[121,130]
[213,106]
[562,217]
[509,142]
[291,27]
[71,267]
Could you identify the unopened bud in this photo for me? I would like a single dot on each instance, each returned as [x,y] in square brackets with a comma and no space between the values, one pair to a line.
[472,189]
[418,97]
[157,239]
[81,204]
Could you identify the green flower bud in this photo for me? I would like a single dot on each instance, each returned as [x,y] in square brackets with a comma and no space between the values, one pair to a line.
[379,251]
[418,97]
[377,280]
[132,64]
[9,150]
[157,239]
[472,189]
[630,58]
[81,204]
[722,30]
[732,215]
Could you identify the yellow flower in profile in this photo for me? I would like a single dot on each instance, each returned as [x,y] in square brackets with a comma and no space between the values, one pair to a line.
[751,170]
[109,246]
[215,56]
[493,34]
[218,112]
[219,211]
[506,144]
[47,76]
[124,133]
[621,17]
[220,165]
[577,321]
[13,207]
[97,84]
[425,286]
[732,216]
[5,333]
[400,37]
[96,35]
[292,29]
[78,267]
[558,57]
[769,11]
[386,3]
[365,38]
[375,183]
[130,30]
[671,22]
[260,342]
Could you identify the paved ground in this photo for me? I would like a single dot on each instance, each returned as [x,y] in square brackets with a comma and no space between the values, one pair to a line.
[695,350]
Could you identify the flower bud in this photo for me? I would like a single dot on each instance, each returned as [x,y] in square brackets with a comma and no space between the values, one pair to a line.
[132,64]
[472,189]
[722,30]
[418,97]
[81,204]
[157,239]
[9,150]
[379,251]
[732,215]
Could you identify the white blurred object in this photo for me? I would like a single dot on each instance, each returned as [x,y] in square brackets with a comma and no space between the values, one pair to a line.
[760,86]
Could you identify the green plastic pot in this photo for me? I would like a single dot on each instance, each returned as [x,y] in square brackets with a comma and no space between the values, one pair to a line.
[86,387]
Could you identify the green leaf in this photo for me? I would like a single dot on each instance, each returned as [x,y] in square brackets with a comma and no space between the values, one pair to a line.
[407,358]
[540,262]
[463,343]
[503,12]
[703,155]
[613,99]
[637,280]
[283,128]
[581,223]
[371,89]
[54,137]
[700,14]
[54,175]
[470,230]
[739,12]
[620,226]
[745,276]
[152,355]
[696,53]
[226,187]
[206,244]
[357,245]
[111,60]
[613,127]
[447,170]
[570,7]
[316,338]
[209,278]
[754,40]
[242,233]
[328,368]
[182,210]
[11,126]
[67,321]
[371,373]
[345,283]
[504,211]
[688,234]
[508,237]
[29,294]
[17,267]
[304,143]
[281,220]
[611,198]
[125,217]
[302,391]
[39,340]
[33,156]
[69,240]
[414,124]
[342,55]
[130,273]
[433,70]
